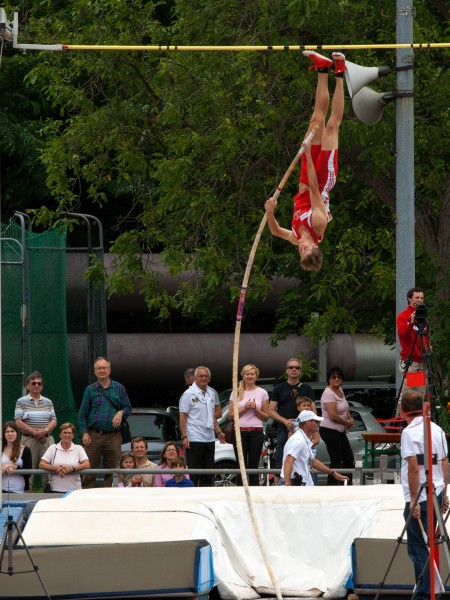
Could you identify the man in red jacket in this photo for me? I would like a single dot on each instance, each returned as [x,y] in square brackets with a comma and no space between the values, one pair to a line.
[410,342]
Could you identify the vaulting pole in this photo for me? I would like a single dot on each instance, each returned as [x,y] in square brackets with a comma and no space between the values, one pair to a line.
[237,337]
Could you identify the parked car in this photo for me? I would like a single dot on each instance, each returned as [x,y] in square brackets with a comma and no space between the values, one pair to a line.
[156,426]
[364,421]
[159,426]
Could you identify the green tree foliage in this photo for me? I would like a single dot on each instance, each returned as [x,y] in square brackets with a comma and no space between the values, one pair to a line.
[22,115]
[184,147]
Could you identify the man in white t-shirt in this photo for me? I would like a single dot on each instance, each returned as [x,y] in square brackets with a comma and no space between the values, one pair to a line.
[298,456]
[199,411]
[414,479]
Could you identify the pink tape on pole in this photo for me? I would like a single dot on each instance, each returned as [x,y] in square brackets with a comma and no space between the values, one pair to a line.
[240,308]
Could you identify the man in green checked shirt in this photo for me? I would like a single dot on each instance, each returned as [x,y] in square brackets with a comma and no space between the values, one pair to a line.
[104,404]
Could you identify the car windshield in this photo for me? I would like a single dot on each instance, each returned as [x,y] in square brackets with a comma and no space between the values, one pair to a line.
[359,422]
[152,427]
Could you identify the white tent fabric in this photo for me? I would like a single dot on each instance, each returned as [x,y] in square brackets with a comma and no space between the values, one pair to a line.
[307,531]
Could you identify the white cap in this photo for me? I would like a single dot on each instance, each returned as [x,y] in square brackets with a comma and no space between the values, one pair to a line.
[308,415]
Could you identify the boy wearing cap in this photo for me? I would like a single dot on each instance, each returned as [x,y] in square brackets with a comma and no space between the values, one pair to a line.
[298,457]
[305,403]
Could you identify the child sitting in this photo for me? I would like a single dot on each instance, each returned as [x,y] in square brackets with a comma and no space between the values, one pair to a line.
[179,480]
[128,461]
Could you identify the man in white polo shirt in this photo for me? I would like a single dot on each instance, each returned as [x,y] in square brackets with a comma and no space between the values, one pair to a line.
[298,457]
[35,417]
[413,480]
[199,411]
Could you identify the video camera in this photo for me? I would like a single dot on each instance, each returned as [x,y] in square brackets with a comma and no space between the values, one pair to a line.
[421,314]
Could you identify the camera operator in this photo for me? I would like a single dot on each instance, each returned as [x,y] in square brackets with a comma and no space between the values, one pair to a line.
[413,337]
[409,322]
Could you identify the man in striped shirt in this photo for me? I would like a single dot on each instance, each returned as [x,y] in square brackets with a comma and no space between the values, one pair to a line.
[104,404]
[35,417]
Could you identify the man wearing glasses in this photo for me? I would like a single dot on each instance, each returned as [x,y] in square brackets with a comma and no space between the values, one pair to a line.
[199,411]
[283,407]
[105,403]
[35,417]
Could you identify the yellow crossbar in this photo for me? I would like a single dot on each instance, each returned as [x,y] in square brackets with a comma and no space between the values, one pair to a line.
[162,48]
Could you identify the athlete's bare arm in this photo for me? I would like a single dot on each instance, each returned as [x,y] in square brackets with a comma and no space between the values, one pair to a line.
[319,218]
[275,229]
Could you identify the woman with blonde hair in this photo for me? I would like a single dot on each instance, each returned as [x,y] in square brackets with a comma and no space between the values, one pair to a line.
[253,405]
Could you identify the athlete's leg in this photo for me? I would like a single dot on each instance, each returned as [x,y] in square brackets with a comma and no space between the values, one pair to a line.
[322,66]
[330,138]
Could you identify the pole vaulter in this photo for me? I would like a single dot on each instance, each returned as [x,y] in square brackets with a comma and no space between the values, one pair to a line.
[315,133]
[319,171]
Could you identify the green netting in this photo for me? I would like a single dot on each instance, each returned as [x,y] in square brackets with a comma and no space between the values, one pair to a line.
[35,277]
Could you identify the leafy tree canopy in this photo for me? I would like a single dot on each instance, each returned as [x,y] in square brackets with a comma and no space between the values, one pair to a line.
[182,148]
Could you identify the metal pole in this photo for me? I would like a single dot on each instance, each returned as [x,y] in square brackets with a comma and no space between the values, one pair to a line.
[405,249]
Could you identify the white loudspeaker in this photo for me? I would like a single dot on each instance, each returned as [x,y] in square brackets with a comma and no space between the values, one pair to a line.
[357,76]
[368,105]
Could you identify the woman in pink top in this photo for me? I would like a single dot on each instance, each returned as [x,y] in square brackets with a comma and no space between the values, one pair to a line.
[336,421]
[253,404]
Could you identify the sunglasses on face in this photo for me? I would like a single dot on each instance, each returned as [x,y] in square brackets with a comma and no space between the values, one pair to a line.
[35,382]
[335,377]
[294,367]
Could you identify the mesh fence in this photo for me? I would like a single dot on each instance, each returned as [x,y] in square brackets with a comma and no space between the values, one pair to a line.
[35,338]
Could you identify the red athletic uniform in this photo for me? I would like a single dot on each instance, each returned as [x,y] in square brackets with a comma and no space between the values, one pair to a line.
[407,335]
[326,167]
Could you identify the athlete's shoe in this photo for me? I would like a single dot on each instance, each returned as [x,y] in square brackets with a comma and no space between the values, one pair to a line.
[319,61]
[339,62]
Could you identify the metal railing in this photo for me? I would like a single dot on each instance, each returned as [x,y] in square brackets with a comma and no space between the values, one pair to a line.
[360,475]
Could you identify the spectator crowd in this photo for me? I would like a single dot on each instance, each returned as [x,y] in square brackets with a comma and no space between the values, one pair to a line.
[27,442]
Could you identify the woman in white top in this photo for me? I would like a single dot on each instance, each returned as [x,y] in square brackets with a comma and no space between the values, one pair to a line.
[253,404]
[336,421]
[15,456]
[65,461]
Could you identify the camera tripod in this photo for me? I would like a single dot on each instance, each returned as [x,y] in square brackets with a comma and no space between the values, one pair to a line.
[7,545]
